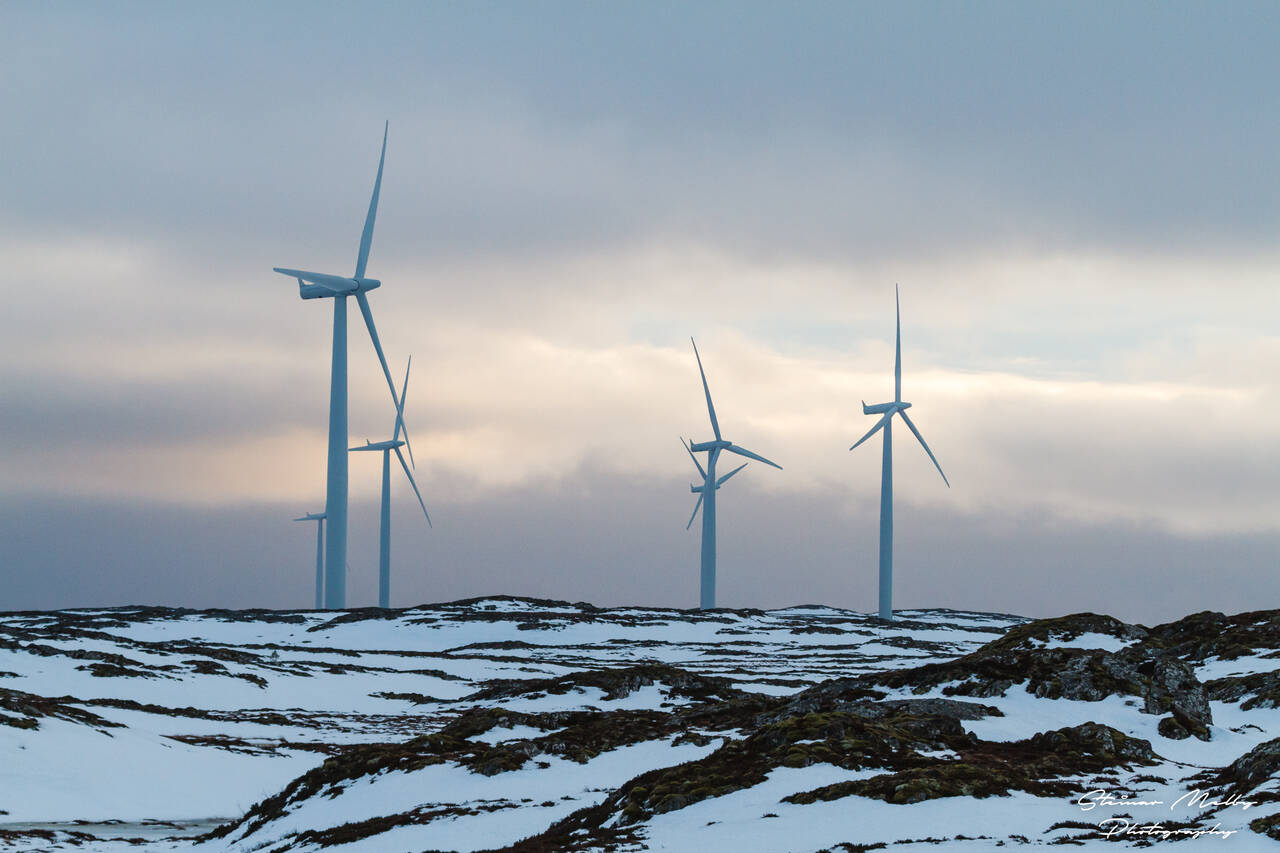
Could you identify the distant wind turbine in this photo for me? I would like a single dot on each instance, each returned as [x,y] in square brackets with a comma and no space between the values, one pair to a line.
[384,539]
[707,491]
[887,411]
[318,517]
[312,285]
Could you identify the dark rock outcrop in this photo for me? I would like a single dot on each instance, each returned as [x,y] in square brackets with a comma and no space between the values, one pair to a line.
[853,696]
[24,711]
[1035,765]
[900,743]
[1209,634]
[1251,769]
[616,684]
[1261,688]
[1165,684]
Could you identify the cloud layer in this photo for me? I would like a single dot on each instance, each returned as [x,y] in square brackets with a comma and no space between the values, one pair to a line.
[1082,236]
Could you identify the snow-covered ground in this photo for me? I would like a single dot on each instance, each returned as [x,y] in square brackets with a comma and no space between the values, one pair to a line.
[141,722]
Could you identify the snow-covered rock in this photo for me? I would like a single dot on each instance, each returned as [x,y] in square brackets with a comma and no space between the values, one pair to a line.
[526,725]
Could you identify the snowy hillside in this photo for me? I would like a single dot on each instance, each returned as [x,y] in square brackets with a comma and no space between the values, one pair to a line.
[534,725]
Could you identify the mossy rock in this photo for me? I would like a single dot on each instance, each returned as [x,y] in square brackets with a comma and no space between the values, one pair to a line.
[1250,770]
[1178,726]
[1033,765]
[617,683]
[1268,826]
[1262,690]
[1162,681]
[26,709]
[1210,634]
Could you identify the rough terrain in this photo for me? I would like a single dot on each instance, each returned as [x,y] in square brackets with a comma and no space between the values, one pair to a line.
[526,725]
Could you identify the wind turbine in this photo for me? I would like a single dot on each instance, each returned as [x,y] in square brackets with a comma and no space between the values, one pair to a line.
[312,285]
[318,517]
[707,491]
[384,540]
[887,411]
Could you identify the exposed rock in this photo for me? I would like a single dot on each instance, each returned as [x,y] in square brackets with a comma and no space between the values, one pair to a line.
[24,711]
[1209,634]
[953,708]
[854,696]
[846,740]
[1268,826]
[576,736]
[1090,747]
[366,759]
[1068,628]
[1164,683]
[1034,765]
[81,654]
[616,684]
[918,746]
[1179,726]
[1040,765]
[111,670]
[1263,688]
[1251,769]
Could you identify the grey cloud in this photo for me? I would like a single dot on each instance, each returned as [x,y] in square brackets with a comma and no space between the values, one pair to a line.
[84,414]
[831,129]
[611,543]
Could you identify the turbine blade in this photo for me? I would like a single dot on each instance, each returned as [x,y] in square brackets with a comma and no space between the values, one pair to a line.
[912,427]
[725,478]
[366,239]
[405,466]
[880,423]
[335,283]
[711,410]
[400,406]
[897,355]
[363,300]
[404,392]
[733,448]
[694,458]
[696,507]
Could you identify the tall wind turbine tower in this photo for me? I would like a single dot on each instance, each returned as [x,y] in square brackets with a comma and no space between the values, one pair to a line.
[887,411]
[318,518]
[384,537]
[313,285]
[707,491]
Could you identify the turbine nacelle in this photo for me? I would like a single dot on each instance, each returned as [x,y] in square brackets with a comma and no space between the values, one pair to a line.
[390,444]
[882,408]
[349,286]
[697,490]
[698,447]
[317,285]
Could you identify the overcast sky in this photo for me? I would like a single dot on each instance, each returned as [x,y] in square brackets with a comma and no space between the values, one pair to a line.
[1079,201]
